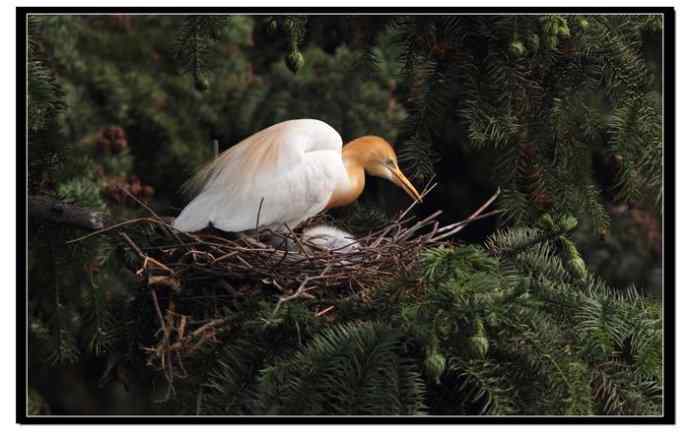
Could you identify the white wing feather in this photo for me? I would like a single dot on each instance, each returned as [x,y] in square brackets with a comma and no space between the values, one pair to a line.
[293,166]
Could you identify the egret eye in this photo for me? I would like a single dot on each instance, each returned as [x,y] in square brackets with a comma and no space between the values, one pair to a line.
[389,162]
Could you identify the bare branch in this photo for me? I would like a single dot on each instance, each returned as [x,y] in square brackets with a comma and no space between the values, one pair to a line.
[52,210]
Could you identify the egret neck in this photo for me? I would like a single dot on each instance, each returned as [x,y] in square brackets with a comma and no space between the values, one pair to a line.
[349,190]
[374,156]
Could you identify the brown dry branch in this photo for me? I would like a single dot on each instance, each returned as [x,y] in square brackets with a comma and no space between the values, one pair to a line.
[170,261]
[48,209]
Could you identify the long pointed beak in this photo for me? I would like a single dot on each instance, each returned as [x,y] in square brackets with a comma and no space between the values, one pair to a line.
[405,184]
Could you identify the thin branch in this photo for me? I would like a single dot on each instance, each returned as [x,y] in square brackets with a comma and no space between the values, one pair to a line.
[56,211]
[111,228]
[300,290]
[470,219]
[164,224]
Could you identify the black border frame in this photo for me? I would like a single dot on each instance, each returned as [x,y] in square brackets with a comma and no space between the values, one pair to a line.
[669,282]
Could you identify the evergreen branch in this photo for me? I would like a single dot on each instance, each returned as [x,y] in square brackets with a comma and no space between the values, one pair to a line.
[45,96]
[349,369]
[499,244]
[485,383]
[194,42]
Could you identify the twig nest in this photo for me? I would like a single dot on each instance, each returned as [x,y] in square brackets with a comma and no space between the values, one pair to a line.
[323,260]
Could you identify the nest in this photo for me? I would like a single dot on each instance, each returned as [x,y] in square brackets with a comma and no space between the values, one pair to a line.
[185,259]
[167,258]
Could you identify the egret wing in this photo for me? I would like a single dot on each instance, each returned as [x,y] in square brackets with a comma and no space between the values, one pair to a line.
[288,171]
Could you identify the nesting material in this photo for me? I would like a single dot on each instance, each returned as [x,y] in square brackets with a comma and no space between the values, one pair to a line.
[323,258]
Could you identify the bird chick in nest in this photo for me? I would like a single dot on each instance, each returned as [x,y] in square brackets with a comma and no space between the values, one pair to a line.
[323,236]
[330,238]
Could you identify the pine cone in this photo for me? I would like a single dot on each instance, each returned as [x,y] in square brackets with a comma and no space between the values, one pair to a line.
[517,48]
[479,343]
[201,84]
[435,365]
[111,140]
[294,61]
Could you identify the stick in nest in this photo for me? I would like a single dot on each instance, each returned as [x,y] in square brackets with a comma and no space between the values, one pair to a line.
[300,290]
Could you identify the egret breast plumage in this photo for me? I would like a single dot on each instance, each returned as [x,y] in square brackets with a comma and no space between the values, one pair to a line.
[284,175]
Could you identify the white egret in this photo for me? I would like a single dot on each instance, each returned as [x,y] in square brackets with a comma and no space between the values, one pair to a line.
[284,175]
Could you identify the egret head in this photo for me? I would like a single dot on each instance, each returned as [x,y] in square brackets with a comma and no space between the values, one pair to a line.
[378,158]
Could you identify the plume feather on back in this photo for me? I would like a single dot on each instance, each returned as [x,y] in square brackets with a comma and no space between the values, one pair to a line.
[292,166]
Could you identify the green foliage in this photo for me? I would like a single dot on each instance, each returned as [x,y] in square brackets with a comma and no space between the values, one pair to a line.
[525,334]
[83,191]
[349,369]
[72,315]
[636,144]
[485,383]
[528,91]
[232,384]
[352,368]
[44,98]
[351,98]
[465,294]
[197,34]
[290,31]
[36,405]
